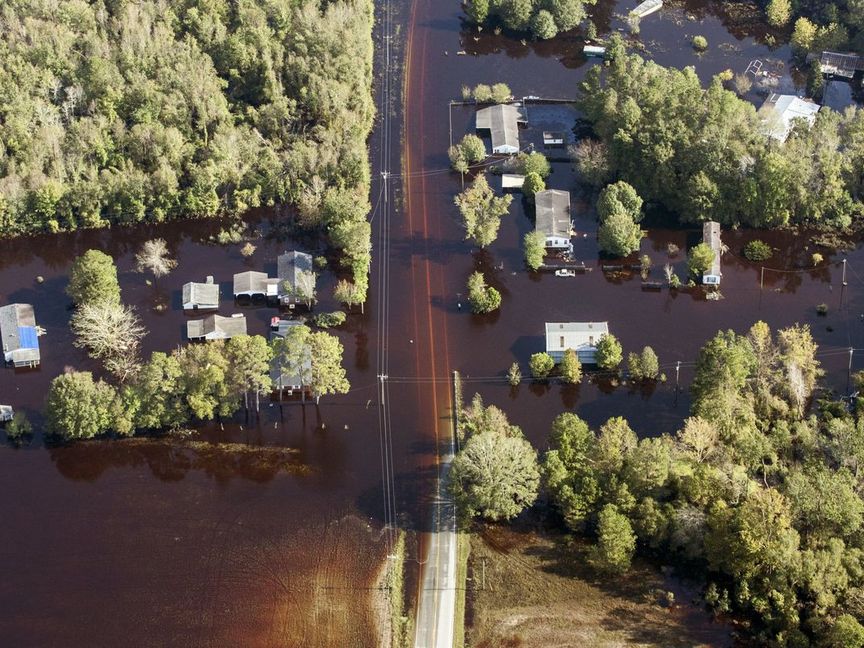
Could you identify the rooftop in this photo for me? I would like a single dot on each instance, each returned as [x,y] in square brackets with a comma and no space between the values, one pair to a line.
[711,238]
[503,123]
[553,212]
[201,294]
[779,113]
[254,283]
[216,327]
[289,377]
[18,334]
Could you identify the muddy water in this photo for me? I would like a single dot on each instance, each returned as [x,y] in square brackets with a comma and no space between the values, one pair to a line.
[262,533]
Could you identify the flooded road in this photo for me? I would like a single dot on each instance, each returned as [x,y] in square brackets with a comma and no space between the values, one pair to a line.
[266,533]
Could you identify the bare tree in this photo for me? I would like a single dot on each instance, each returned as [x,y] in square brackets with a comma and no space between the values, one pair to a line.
[111,333]
[304,286]
[154,257]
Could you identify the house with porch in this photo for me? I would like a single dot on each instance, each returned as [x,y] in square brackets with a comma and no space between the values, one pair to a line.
[19,335]
[582,337]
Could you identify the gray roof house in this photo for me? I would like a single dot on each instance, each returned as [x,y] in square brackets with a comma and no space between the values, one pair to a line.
[201,296]
[840,64]
[19,336]
[290,265]
[290,379]
[711,238]
[255,284]
[552,207]
[216,327]
[582,337]
[780,111]
[502,121]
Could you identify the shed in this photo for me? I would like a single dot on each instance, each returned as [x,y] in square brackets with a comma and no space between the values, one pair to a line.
[594,50]
[582,337]
[647,8]
[512,182]
[6,413]
[216,327]
[290,378]
[553,139]
[19,335]
[502,121]
[290,265]
[711,238]
[779,113]
[842,64]
[201,296]
[255,284]
[552,207]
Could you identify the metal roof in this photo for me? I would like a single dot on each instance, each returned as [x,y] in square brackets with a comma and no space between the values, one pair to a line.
[290,377]
[289,264]
[711,238]
[780,111]
[552,207]
[503,123]
[254,283]
[582,337]
[216,327]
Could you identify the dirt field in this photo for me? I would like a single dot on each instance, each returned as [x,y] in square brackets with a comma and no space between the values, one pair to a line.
[524,591]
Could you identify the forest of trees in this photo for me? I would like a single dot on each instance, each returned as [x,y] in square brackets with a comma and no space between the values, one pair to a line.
[818,24]
[703,154]
[542,19]
[758,492]
[120,112]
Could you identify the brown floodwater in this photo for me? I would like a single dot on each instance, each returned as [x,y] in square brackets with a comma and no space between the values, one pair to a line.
[267,531]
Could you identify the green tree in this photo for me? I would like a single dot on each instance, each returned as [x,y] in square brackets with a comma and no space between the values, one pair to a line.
[93,279]
[158,388]
[700,259]
[566,13]
[619,235]
[478,11]
[609,352]
[541,365]
[248,367]
[845,632]
[516,14]
[535,249]
[619,197]
[803,35]
[327,375]
[478,418]
[644,365]
[482,297]
[19,428]
[616,541]
[495,476]
[501,93]
[778,12]
[570,368]
[534,162]
[349,293]
[543,25]
[514,375]
[568,470]
[481,211]
[203,381]
[77,407]
[532,184]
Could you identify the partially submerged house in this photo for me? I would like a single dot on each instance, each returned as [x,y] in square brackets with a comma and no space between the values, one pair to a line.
[780,112]
[582,337]
[19,335]
[216,327]
[255,284]
[647,8]
[201,296]
[840,64]
[502,121]
[296,279]
[552,209]
[289,378]
[711,238]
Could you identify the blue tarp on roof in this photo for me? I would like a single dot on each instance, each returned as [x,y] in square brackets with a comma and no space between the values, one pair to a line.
[27,337]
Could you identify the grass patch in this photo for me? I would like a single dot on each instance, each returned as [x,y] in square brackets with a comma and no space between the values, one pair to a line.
[399,621]
[463,550]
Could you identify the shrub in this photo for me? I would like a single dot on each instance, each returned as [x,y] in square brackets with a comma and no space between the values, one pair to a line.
[541,365]
[570,368]
[18,427]
[483,298]
[533,183]
[535,250]
[609,353]
[514,375]
[327,320]
[758,251]
[700,259]
[543,25]
[700,43]
[644,365]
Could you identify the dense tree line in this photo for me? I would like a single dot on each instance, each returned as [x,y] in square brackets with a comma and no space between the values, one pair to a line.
[703,153]
[541,19]
[820,25]
[758,491]
[125,112]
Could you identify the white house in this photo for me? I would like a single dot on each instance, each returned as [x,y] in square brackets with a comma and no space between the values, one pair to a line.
[255,284]
[502,121]
[552,208]
[582,337]
[711,238]
[201,296]
[779,113]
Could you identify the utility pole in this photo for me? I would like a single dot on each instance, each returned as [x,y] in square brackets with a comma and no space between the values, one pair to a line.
[844,272]
[849,371]
[762,279]
[677,375]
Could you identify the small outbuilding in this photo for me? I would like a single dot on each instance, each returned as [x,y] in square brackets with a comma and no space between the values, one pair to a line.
[552,209]
[216,327]
[255,284]
[19,335]
[6,413]
[296,279]
[201,296]
[512,182]
[711,238]
[780,112]
[502,121]
[582,337]
[840,64]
